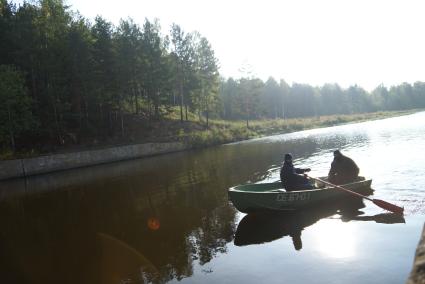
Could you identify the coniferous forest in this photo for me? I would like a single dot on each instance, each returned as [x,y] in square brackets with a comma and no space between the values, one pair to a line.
[65,79]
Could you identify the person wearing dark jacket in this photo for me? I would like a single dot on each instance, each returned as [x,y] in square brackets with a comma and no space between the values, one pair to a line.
[292,178]
[343,169]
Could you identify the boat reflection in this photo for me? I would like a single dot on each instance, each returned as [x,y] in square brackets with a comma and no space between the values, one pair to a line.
[267,227]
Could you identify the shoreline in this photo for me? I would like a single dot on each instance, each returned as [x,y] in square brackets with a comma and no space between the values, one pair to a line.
[43,164]
[22,168]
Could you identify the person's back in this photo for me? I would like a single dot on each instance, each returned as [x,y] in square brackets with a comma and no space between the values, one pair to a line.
[291,177]
[287,175]
[343,169]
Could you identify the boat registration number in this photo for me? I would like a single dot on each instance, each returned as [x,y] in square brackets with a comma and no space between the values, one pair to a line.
[295,196]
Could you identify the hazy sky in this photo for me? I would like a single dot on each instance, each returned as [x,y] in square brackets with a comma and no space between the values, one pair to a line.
[305,41]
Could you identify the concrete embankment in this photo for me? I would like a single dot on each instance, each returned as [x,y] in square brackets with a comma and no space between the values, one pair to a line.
[417,276]
[58,162]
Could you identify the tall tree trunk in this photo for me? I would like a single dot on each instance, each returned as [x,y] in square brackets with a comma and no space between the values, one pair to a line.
[33,83]
[150,110]
[156,106]
[122,122]
[11,134]
[181,101]
[136,94]
[80,116]
[208,114]
[86,108]
[110,121]
[247,112]
[12,140]
[58,130]
[101,112]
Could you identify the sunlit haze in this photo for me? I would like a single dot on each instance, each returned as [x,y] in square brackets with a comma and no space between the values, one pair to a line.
[315,42]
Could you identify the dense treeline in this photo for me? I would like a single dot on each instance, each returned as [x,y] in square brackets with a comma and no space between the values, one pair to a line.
[254,99]
[68,75]
[64,78]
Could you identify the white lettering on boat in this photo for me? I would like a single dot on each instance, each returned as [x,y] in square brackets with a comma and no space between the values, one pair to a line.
[293,196]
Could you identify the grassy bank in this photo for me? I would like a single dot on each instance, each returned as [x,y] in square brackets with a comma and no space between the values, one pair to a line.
[195,133]
[220,132]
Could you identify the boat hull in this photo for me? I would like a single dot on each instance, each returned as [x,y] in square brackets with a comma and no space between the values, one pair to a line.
[271,196]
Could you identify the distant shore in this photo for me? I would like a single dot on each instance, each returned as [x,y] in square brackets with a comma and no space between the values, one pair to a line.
[221,132]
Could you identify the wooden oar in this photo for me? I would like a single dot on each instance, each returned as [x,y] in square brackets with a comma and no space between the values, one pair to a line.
[381,203]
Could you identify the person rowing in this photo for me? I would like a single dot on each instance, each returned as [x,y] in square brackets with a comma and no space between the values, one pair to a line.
[343,169]
[292,178]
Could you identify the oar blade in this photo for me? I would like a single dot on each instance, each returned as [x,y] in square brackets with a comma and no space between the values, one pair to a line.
[389,206]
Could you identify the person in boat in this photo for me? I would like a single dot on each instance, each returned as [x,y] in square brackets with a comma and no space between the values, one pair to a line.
[292,178]
[343,169]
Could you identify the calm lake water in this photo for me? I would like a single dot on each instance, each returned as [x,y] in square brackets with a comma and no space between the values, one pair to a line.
[168,218]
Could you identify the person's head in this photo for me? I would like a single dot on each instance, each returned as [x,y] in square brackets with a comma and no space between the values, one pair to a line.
[337,154]
[288,158]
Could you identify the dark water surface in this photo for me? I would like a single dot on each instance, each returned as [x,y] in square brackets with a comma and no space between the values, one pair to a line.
[168,219]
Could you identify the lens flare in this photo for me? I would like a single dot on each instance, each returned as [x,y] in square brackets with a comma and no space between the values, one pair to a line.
[153,223]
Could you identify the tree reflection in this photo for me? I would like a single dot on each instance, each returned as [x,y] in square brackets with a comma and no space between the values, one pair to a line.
[213,235]
[105,232]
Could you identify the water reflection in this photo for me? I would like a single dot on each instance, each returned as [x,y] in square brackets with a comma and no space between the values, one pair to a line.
[159,216]
[382,218]
[118,261]
[335,240]
[268,227]
[340,241]
[115,231]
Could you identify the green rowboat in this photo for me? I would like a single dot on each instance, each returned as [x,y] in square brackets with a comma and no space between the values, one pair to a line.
[250,198]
